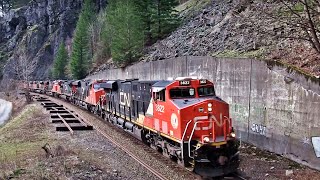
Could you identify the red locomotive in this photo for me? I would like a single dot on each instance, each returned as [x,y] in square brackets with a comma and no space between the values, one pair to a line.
[182,118]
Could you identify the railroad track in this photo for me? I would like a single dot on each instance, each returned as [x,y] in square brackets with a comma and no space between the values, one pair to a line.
[153,171]
[109,138]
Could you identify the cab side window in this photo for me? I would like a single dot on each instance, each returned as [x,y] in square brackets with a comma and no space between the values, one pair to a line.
[160,96]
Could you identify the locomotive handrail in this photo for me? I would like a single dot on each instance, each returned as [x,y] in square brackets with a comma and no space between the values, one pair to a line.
[194,127]
[182,140]
[213,133]
[189,141]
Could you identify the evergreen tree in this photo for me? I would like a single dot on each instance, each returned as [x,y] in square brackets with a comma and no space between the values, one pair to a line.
[144,10]
[164,18]
[159,18]
[125,31]
[60,62]
[80,49]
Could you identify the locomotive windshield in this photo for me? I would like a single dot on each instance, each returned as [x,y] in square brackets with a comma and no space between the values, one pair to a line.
[182,93]
[97,86]
[206,91]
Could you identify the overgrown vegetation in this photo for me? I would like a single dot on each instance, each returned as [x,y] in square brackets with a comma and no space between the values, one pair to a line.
[191,7]
[60,63]
[259,53]
[303,17]
[125,33]
[14,136]
[120,31]
[80,56]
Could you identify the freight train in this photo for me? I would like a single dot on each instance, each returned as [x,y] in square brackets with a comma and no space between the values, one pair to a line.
[182,118]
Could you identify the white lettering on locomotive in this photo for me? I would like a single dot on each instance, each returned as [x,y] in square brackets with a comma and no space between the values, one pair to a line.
[125,99]
[203,81]
[174,121]
[184,83]
[198,118]
[160,108]
[211,119]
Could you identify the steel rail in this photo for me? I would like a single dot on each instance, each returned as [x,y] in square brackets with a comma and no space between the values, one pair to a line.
[65,123]
[239,176]
[156,173]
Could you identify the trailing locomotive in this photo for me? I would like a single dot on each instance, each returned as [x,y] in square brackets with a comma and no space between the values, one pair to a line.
[182,118]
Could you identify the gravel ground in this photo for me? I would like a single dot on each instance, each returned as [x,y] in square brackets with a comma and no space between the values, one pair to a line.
[255,163]
[258,164]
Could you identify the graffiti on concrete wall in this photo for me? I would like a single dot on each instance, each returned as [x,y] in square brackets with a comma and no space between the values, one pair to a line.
[316,145]
[259,128]
[239,112]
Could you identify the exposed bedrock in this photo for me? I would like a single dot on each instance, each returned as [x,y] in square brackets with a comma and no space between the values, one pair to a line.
[35,31]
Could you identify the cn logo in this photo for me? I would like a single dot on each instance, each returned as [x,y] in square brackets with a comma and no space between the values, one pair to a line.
[174,121]
[212,118]
[202,118]
[124,99]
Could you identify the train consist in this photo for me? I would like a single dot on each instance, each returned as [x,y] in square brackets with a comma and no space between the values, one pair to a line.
[182,118]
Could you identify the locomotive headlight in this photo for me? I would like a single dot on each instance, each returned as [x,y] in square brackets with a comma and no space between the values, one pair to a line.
[210,109]
[232,134]
[209,105]
[206,139]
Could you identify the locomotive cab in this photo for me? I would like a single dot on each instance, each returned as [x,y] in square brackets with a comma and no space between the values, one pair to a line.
[95,91]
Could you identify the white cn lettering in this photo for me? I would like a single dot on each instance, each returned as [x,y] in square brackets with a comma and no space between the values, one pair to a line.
[212,118]
[124,99]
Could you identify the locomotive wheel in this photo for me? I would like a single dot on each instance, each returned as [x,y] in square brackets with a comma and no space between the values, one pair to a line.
[165,153]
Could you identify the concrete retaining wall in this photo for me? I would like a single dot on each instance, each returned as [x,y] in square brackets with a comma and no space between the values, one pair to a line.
[5,111]
[273,106]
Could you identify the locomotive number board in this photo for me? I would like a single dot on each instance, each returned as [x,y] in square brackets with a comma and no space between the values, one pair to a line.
[185,83]
[203,81]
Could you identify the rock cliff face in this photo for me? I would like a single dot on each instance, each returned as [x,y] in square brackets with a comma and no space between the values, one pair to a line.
[38,28]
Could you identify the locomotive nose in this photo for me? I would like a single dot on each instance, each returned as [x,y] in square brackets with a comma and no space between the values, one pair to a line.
[213,122]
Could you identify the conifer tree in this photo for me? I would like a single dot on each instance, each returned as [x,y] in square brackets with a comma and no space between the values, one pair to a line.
[159,18]
[80,49]
[60,62]
[125,31]
[164,18]
[144,10]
